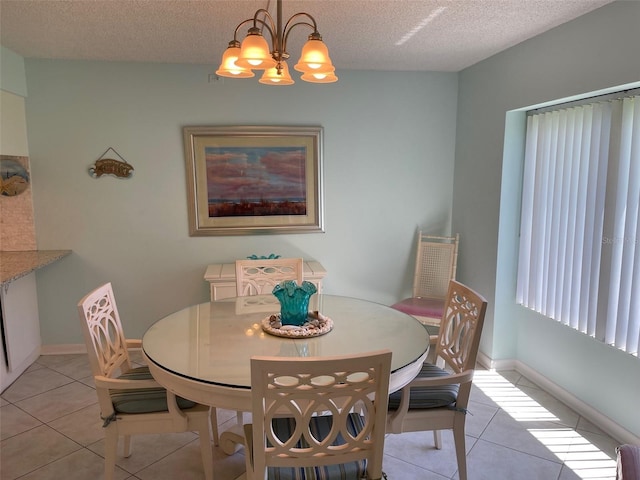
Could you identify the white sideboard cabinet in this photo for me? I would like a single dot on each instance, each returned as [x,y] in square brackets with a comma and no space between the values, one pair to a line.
[222,278]
[20,328]
[19,315]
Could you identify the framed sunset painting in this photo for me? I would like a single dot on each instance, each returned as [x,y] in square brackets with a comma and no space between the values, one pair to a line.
[254,180]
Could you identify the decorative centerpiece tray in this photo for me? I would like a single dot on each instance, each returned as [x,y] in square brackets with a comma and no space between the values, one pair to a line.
[316,325]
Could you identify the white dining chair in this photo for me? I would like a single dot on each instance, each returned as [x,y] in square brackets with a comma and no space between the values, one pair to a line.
[318,418]
[258,277]
[437,399]
[131,401]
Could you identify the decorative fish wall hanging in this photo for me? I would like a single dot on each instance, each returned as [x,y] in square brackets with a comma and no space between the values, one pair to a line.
[109,166]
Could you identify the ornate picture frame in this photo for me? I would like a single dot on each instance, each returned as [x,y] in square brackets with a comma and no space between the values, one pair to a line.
[251,180]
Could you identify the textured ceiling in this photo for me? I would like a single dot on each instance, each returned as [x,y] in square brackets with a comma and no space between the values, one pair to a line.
[436,35]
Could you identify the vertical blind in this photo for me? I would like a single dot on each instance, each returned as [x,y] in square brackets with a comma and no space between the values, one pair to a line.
[579,259]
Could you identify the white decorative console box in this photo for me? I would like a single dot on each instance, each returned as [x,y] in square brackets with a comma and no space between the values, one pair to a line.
[222,278]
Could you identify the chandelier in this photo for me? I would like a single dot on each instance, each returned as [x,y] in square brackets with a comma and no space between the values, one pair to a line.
[239,60]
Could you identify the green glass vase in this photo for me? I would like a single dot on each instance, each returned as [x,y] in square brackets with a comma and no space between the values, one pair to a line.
[294,301]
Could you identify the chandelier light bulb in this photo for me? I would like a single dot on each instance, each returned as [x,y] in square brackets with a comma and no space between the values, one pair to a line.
[316,77]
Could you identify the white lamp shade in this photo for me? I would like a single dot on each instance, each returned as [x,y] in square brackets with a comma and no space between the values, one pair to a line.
[254,53]
[228,67]
[271,76]
[314,57]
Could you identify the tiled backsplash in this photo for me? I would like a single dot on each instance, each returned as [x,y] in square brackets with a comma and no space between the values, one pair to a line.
[17,226]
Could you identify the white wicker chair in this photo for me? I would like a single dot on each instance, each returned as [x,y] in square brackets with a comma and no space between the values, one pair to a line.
[436,261]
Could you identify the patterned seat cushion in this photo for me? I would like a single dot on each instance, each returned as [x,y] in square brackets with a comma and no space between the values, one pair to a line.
[427,397]
[320,427]
[421,307]
[146,400]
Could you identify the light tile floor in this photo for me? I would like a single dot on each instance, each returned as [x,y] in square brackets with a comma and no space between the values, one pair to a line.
[50,429]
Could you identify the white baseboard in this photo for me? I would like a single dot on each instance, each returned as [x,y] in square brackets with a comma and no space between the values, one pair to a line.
[596,417]
[491,364]
[63,349]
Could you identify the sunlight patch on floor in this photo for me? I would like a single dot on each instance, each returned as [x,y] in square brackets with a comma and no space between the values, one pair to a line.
[510,398]
[586,460]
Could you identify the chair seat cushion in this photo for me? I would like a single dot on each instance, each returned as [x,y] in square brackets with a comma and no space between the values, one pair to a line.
[421,307]
[144,400]
[320,427]
[427,397]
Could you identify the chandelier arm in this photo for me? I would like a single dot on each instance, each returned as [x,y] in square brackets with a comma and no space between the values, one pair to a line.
[288,28]
[256,22]
[269,29]
[301,14]
[270,26]
[266,15]
[235,32]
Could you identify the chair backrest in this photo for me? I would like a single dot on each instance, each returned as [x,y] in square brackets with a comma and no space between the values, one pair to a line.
[303,387]
[103,334]
[256,277]
[461,327]
[436,261]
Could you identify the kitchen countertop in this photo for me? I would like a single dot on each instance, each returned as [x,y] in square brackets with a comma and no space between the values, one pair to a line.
[14,265]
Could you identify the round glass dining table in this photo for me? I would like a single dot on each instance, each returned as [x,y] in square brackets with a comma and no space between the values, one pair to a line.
[202,352]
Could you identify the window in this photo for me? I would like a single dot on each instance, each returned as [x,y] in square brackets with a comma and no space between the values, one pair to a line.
[579,260]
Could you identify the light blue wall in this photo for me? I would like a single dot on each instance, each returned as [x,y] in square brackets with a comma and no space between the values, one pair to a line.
[12,73]
[388,162]
[594,52]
